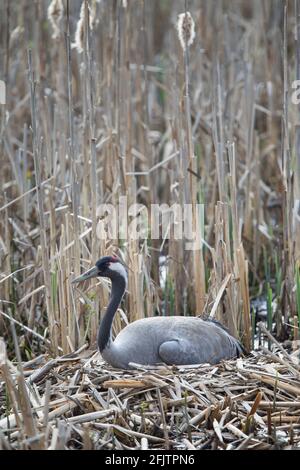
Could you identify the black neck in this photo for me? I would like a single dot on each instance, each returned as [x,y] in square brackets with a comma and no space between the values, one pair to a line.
[118,287]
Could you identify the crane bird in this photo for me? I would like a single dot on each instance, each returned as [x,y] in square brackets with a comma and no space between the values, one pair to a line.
[174,340]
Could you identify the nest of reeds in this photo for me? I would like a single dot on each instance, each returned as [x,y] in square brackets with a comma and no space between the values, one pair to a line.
[79,402]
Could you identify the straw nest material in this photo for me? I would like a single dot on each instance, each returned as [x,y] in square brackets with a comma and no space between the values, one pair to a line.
[78,401]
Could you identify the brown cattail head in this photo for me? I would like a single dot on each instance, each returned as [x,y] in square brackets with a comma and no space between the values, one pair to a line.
[79,33]
[186,29]
[55,14]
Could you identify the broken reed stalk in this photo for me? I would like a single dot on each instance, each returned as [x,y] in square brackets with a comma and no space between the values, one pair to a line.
[297,74]
[287,173]
[269,311]
[22,404]
[236,237]
[90,151]
[298,296]
[244,282]
[186,34]
[37,155]
[296,221]
[74,177]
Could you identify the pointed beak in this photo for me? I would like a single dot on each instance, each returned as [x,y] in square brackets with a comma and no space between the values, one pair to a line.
[93,272]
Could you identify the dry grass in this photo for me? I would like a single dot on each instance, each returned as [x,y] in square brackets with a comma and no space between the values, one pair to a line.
[104,102]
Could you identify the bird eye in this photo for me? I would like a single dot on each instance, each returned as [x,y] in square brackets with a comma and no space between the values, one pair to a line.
[102,268]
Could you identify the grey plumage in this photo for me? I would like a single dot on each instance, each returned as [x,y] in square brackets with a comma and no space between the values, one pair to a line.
[173,340]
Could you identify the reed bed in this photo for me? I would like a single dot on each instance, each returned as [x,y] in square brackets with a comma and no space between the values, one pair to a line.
[126,103]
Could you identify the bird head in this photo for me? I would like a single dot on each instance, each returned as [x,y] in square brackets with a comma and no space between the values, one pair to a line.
[107,266]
